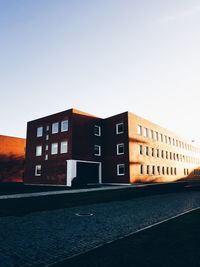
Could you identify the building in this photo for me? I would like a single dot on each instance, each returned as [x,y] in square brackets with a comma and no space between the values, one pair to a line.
[12,156]
[73,147]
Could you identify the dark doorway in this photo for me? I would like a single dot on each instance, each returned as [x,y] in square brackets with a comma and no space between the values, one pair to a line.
[86,173]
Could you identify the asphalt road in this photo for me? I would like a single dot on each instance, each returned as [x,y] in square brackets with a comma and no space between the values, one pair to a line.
[43,238]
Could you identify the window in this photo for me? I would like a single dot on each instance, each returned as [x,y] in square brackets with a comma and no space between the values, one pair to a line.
[151,134]
[166,154]
[148,169]
[153,170]
[55,128]
[38,151]
[54,148]
[140,149]
[157,153]
[38,170]
[163,170]
[141,169]
[158,170]
[46,147]
[139,129]
[97,150]
[97,130]
[119,128]
[120,169]
[39,131]
[145,132]
[47,137]
[165,139]
[157,137]
[147,151]
[46,157]
[167,170]
[169,140]
[175,171]
[64,126]
[120,149]
[170,155]
[162,154]
[161,137]
[47,128]
[63,147]
[152,152]
[171,170]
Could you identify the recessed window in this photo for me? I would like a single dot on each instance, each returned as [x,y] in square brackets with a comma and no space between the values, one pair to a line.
[167,170]
[120,149]
[163,170]
[147,151]
[55,128]
[165,139]
[46,157]
[46,147]
[151,134]
[141,169]
[97,150]
[140,149]
[161,137]
[47,137]
[39,131]
[38,151]
[153,170]
[171,170]
[47,128]
[120,169]
[148,169]
[145,132]
[152,152]
[38,170]
[97,130]
[162,154]
[157,137]
[158,170]
[157,153]
[119,128]
[63,147]
[139,129]
[64,126]
[54,148]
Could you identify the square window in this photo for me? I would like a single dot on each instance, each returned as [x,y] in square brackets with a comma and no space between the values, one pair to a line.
[63,147]
[38,170]
[119,128]
[39,131]
[55,127]
[120,149]
[64,126]
[97,130]
[38,151]
[97,150]
[54,148]
[120,169]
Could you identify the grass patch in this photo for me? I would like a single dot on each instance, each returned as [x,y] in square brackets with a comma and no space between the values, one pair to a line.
[173,243]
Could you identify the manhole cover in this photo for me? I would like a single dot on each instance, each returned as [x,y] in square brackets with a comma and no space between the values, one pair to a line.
[84,214]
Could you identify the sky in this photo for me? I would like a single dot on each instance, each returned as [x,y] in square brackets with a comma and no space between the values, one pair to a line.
[102,57]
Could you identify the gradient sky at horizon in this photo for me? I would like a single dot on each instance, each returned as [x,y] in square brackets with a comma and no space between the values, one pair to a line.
[102,57]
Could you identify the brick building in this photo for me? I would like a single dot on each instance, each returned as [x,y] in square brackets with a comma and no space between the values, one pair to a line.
[75,147]
[12,155]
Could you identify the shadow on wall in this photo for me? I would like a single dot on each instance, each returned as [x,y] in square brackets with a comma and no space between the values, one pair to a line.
[11,168]
[193,176]
[137,140]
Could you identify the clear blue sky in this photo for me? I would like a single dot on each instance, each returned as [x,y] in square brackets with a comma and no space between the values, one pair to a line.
[102,57]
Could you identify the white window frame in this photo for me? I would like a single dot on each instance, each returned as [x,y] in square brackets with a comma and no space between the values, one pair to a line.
[61,147]
[118,168]
[36,170]
[99,130]
[99,150]
[52,148]
[38,149]
[118,148]
[38,130]
[117,128]
[55,123]
[62,123]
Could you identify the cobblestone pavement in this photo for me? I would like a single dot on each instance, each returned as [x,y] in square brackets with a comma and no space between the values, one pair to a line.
[42,238]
